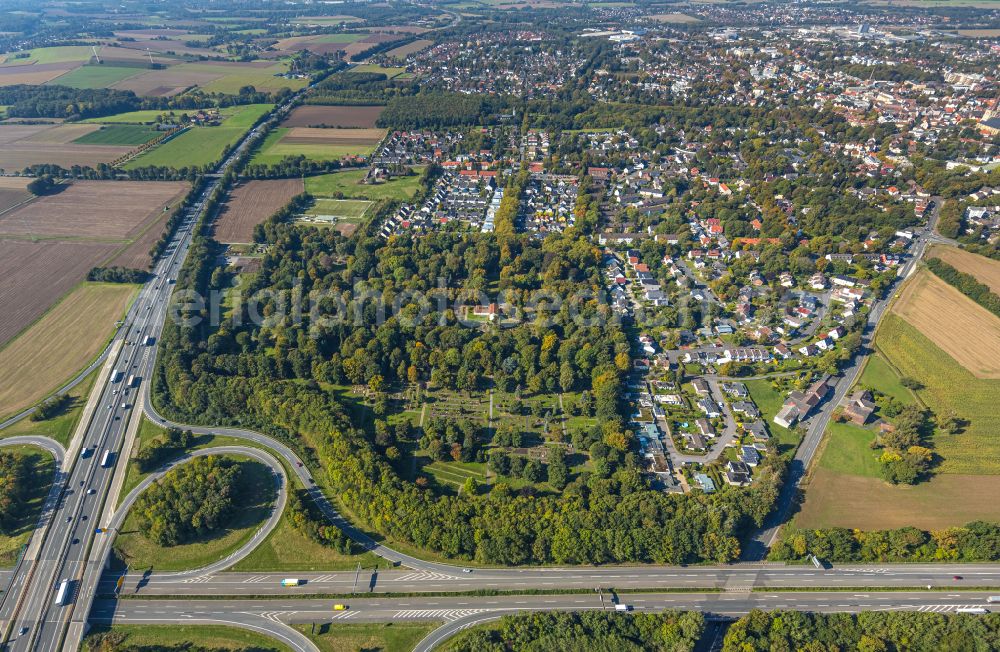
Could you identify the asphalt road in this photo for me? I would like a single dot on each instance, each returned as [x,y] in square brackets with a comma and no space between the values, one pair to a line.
[743,576]
[757,546]
[64,546]
[273,616]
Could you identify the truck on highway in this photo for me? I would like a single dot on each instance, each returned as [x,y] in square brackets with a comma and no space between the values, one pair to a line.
[976,611]
[291,582]
[117,375]
[993,599]
[106,460]
[62,596]
[133,381]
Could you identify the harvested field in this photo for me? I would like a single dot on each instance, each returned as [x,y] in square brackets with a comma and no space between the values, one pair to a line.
[404,51]
[334,116]
[872,504]
[32,74]
[13,191]
[62,134]
[22,145]
[986,270]
[250,204]
[95,209]
[400,29]
[359,137]
[34,274]
[676,18]
[370,41]
[164,83]
[970,334]
[136,255]
[60,343]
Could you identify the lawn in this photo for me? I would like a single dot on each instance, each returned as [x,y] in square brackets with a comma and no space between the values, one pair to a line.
[769,401]
[182,637]
[61,426]
[383,637]
[847,451]
[201,146]
[389,72]
[42,473]
[96,76]
[347,184]
[50,351]
[880,375]
[256,497]
[119,134]
[341,208]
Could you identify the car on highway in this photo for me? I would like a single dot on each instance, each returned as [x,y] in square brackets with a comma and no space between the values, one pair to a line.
[91,492]
[298,464]
[75,541]
[466,570]
[69,518]
[340,607]
[957,577]
[22,631]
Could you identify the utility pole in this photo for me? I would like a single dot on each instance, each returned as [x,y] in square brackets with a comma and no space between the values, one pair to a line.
[357,574]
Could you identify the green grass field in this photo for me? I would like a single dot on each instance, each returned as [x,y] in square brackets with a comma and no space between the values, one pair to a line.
[383,637]
[847,451]
[42,473]
[351,209]
[130,117]
[180,637]
[256,496]
[61,426]
[880,375]
[200,146]
[346,183]
[57,54]
[119,135]
[948,389]
[273,150]
[769,402]
[96,76]
[373,67]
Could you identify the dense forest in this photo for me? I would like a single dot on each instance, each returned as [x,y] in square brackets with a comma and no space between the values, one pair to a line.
[870,631]
[271,376]
[15,474]
[190,501]
[977,541]
[434,110]
[672,631]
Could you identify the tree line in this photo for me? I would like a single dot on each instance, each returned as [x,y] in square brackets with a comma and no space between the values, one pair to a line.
[587,631]
[977,541]
[967,284]
[15,476]
[868,631]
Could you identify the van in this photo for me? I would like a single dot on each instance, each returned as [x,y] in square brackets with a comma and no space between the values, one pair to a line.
[623,607]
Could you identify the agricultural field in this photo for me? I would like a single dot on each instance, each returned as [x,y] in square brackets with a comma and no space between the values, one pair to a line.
[970,334]
[59,344]
[320,44]
[28,73]
[333,116]
[84,209]
[123,135]
[96,76]
[404,51]
[13,191]
[845,488]
[317,144]
[986,270]
[147,116]
[251,203]
[676,18]
[23,145]
[201,146]
[347,184]
[33,275]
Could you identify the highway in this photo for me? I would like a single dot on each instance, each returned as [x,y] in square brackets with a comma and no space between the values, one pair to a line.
[32,619]
[273,616]
[208,582]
